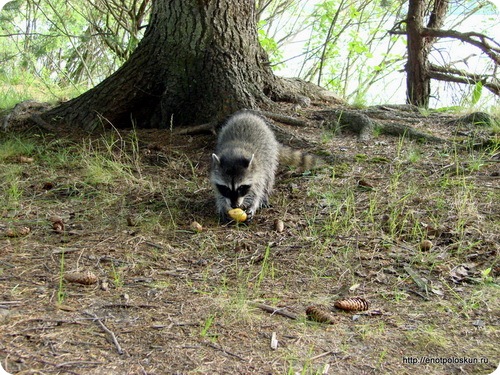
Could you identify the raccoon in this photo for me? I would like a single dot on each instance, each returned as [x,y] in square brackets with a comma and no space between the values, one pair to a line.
[245,162]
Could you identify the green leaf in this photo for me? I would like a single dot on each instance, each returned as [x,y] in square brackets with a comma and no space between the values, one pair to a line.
[476,92]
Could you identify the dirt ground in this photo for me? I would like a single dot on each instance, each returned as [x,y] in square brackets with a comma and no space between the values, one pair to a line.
[166,298]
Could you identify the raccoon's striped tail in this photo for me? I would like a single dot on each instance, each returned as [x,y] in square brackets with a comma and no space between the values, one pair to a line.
[297,158]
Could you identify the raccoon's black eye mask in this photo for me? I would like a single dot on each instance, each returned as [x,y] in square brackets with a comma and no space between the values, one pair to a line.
[243,190]
[225,191]
[231,194]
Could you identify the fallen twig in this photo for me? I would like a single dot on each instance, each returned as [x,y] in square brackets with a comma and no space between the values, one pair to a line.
[220,348]
[281,118]
[129,306]
[106,330]
[208,128]
[79,364]
[331,352]
[274,310]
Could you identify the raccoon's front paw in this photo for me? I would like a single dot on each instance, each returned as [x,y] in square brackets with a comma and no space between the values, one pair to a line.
[224,219]
[250,215]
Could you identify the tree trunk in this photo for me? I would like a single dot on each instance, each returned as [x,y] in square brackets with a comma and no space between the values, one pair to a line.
[418,80]
[198,62]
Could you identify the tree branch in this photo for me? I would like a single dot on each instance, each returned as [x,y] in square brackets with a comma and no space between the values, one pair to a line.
[455,75]
[486,44]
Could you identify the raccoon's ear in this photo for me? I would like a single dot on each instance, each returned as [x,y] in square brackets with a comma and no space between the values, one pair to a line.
[216,159]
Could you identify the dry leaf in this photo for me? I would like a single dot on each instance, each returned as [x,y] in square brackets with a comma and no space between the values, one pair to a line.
[354,287]
[365,185]
[25,159]
[131,221]
[458,274]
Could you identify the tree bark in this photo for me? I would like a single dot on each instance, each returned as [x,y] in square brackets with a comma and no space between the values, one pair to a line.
[418,81]
[420,39]
[199,61]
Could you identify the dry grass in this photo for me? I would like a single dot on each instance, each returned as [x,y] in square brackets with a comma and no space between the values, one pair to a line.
[172,300]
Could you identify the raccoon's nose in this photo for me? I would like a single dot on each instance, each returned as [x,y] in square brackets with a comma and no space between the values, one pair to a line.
[235,203]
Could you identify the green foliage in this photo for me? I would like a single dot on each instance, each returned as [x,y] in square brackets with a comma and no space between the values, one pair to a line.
[61,293]
[271,47]
[346,47]
[351,39]
[476,93]
[209,323]
[58,49]
[14,146]
[66,44]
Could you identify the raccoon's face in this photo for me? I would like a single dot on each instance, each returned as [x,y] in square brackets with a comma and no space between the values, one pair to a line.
[232,178]
[234,195]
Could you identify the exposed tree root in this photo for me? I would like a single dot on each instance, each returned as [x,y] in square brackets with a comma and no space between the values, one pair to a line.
[400,130]
[25,115]
[364,126]
[282,118]
[210,128]
[475,118]
[298,91]
[364,123]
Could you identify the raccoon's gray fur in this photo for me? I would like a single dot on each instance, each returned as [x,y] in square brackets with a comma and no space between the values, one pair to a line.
[245,161]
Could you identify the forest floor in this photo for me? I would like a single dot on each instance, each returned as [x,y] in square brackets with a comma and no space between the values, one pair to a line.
[115,211]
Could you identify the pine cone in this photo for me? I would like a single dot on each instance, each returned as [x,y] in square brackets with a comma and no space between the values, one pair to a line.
[352,304]
[17,232]
[320,314]
[85,278]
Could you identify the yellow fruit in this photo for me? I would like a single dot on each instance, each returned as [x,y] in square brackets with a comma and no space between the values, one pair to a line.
[237,214]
